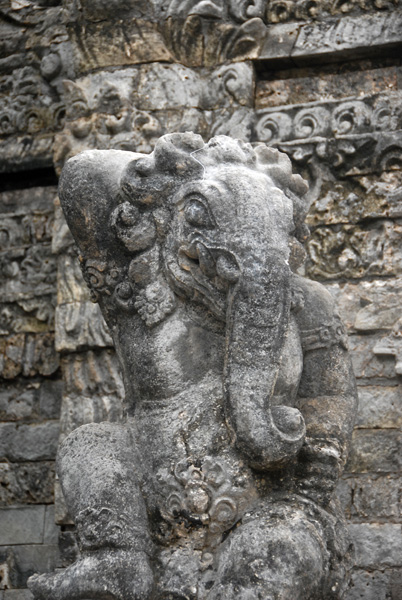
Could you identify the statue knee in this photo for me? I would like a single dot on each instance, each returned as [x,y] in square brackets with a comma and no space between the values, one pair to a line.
[93,439]
[282,561]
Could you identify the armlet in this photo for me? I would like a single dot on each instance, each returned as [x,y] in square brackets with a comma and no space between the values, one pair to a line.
[328,334]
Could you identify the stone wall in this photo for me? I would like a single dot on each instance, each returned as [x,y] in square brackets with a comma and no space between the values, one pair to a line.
[322,81]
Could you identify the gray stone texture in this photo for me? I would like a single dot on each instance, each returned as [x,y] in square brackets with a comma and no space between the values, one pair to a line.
[17,595]
[325,89]
[375,585]
[29,442]
[26,483]
[23,525]
[377,544]
[23,560]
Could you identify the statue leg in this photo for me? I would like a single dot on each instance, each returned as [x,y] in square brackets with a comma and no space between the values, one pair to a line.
[96,465]
[271,558]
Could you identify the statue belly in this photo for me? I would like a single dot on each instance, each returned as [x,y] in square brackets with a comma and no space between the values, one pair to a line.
[193,476]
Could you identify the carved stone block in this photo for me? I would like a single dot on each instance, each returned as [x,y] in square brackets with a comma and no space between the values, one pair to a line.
[92,373]
[26,483]
[373,497]
[27,272]
[366,364]
[79,326]
[358,198]
[378,545]
[35,58]
[28,355]
[355,251]
[368,306]
[375,451]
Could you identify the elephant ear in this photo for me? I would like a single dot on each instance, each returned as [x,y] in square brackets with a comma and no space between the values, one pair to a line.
[111,232]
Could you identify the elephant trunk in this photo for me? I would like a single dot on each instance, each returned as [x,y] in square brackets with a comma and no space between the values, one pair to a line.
[257,324]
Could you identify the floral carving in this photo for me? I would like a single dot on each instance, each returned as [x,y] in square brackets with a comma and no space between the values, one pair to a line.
[354,251]
[203,497]
[100,277]
[246,9]
[155,302]
[330,119]
[195,43]
[274,11]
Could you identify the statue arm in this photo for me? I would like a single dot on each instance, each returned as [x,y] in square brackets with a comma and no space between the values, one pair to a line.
[327,398]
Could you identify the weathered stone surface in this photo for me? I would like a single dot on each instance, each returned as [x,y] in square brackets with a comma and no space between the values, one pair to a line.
[377,545]
[79,410]
[195,41]
[347,37]
[26,483]
[28,355]
[50,531]
[61,515]
[19,231]
[366,364]
[371,497]
[23,560]
[27,272]
[18,401]
[129,109]
[330,119]
[93,390]
[33,315]
[33,200]
[71,286]
[344,156]
[329,82]
[352,251]
[375,451]
[92,373]
[35,400]
[234,368]
[18,595]
[358,198]
[277,12]
[50,393]
[375,585]
[79,326]
[205,89]
[379,407]
[351,36]
[29,442]
[35,57]
[116,43]
[331,132]
[368,306]
[352,165]
[23,525]
[69,550]
[391,345]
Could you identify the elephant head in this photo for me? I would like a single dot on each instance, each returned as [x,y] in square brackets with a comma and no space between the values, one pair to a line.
[221,216]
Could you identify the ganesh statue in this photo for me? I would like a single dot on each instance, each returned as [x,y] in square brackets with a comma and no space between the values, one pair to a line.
[240,396]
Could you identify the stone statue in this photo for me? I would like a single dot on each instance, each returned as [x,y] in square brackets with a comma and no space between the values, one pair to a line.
[240,396]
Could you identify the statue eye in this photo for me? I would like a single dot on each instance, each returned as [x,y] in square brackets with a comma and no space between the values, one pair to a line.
[197,214]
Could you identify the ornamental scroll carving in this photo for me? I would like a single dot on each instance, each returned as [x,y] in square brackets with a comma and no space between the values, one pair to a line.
[240,397]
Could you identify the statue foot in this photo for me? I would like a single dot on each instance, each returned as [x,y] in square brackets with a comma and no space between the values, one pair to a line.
[102,575]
